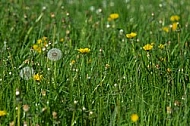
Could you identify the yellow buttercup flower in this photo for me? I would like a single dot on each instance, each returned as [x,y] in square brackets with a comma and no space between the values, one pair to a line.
[37,48]
[72,62]
[37,77]
[44,38]
[41,43]
[161,46]
[2,113]
[62,40]
[152,43]
[148,47]
[131,35]
[174,26]
[134,117]
[113,16]
[166,29]
[168,70]
[84,50]
[174,18]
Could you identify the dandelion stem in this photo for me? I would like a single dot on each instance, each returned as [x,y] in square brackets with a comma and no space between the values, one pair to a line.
[18,114]
[55,75]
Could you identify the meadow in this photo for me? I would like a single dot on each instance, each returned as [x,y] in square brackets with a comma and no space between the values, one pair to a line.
[94,63]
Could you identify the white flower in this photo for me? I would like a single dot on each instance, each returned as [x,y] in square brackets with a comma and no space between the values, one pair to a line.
[27,73]
[54,54]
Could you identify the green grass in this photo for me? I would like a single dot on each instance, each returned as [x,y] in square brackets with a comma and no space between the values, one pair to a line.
[104,87]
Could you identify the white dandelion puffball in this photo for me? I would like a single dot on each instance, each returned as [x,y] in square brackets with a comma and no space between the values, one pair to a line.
[27,73]
[54,54]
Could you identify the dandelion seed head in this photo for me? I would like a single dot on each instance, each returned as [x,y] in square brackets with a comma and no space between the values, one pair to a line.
[43,49]
[25,123]
[54,54]
[17,92]
[43,109]
[25,108]
[44,8]
[52,15]
[169,110]
[121,31]
[183,97]
[54,114]
[107,26]
[67,32]
[27,73]
[160,21]
[177,103]
[43,93]
[92,8]
[11,123]
[67,14]
[75,102]
[83,108]
[90,113]
[98,11]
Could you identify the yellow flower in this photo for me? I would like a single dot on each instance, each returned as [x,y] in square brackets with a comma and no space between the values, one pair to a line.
[152,43]
[166,29]
[174,26]
[113,16]
[62,40]
[174,18]
[39,41]
[134,117]
[45,44]
[44,38]
[161,46]
[131,35]
[148,47]
[2,113]
[72,62]
[168,70]
[37,77]
[37,48]
[84,50]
